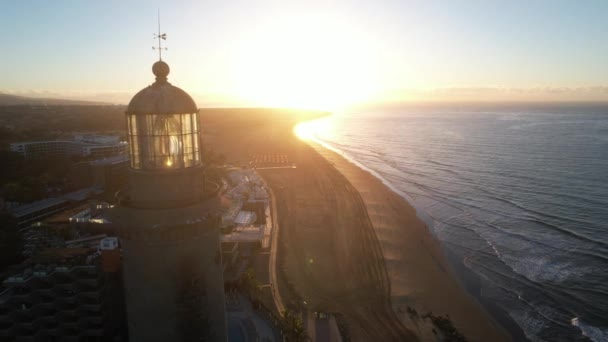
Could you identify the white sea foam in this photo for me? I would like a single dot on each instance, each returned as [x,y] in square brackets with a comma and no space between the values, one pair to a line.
[532,326]
[594,333]
[545,268]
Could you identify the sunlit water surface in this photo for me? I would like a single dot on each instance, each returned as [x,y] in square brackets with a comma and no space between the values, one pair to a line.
[518,195]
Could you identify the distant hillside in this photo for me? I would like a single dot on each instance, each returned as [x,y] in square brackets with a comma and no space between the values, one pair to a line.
[14,100]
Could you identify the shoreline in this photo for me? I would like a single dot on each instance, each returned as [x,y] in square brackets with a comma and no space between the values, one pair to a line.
[470,281]
[349,244]
[479,321]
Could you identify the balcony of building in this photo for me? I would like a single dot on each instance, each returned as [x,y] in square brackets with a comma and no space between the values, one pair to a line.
[46,324]
[68,318]
[62,278]
[21,290]
[91,324]
[85,272]
[39,283]
[92,335]
[92,296]
[41,309]
[84,287]
[4,312]
[86,311]
[45,297]
[90,305]
[70,331]
[45,310]
[23,330]
[24,315]
[6,324]
[66,304]
[48,336]
[64,292]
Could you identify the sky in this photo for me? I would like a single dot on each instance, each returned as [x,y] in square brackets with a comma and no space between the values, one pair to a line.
[310,54]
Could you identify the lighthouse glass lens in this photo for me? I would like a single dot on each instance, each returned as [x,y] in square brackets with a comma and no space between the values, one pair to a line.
[163,141]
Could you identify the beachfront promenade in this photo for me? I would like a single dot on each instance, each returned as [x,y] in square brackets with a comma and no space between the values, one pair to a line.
[272,264]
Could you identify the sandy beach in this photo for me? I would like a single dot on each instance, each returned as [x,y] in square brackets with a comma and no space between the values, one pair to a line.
[419,275]
[348,244]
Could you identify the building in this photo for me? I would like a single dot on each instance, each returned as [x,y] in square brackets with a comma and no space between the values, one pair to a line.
[51,148]
[97,139]
[101,146]
[95,146]
[28,214]
[72,294]
[321,327]
[247,220]
[230,215]
[172,259]
[109,173]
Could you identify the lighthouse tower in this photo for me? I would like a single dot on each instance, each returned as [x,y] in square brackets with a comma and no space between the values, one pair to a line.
[171,251]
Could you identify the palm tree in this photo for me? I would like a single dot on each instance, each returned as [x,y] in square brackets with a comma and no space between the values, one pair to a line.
[250,283]
[293,327]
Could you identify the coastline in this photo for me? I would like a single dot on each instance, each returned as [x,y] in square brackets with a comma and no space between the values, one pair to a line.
[328,259]
[348,244]
[421,276]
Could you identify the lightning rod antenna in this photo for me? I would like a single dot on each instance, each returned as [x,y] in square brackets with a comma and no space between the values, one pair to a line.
[160,37]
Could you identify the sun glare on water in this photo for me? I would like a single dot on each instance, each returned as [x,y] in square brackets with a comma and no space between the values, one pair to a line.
[311,130]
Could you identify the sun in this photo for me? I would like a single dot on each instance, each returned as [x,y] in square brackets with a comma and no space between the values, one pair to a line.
[307,62]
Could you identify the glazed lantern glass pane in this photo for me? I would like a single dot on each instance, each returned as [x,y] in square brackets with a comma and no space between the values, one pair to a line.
[167,141]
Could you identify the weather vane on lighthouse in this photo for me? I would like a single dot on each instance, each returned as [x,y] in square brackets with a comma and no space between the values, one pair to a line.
[160,37]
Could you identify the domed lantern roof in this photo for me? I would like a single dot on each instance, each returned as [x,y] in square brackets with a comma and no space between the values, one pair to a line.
[161,97]
[163,127]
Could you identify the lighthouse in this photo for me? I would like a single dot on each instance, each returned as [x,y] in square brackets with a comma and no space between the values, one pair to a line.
[172,265]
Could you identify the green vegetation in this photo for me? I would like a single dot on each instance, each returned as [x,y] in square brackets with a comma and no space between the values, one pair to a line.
[26,180]
[446,327]
[26,123]
[249,283]
[293,327]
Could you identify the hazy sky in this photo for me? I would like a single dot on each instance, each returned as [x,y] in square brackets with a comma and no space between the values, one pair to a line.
[309,53]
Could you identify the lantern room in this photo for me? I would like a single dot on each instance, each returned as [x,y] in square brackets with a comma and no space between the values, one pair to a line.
[165,147]
[163,126]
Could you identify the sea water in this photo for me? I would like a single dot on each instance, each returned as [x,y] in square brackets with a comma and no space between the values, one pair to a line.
[517,194]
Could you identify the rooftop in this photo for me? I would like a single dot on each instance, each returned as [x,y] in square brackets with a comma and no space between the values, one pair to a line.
[59,255]
[161,97]
[110,160]
[33,207]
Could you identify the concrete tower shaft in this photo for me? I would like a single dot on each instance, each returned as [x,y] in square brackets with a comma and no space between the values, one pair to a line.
[171,251]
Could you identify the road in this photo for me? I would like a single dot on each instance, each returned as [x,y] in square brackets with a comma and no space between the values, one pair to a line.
[274,240]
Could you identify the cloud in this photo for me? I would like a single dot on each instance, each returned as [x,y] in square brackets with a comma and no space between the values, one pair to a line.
[549,94]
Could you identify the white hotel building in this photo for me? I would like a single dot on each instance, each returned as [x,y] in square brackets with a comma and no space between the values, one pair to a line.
[96,146]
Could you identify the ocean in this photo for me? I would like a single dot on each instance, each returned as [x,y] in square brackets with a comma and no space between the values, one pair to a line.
[516,194]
